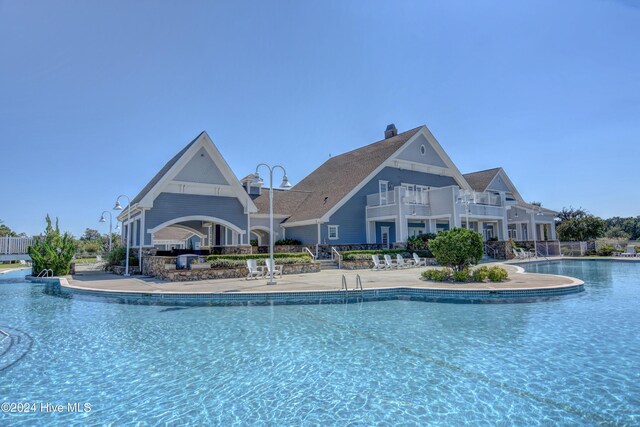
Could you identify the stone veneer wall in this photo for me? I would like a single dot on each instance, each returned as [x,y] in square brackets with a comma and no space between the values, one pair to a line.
[119,269]
[154,266]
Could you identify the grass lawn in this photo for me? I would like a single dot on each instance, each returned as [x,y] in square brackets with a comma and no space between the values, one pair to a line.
[16,265]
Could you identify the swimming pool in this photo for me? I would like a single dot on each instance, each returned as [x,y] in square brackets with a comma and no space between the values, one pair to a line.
[571,360]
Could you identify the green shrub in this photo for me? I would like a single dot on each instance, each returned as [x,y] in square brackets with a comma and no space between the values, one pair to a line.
[605,250]
[290,242]
[480,274]
[462,275]
[420,243]
[458,248]
[53,251]
[497,274]
[437,274]
[357,255]
[253,242]
[237,261]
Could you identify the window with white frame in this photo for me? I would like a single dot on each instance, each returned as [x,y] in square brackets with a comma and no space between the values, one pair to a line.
[333,232]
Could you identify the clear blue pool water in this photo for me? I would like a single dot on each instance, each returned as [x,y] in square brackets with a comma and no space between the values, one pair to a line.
[569,361]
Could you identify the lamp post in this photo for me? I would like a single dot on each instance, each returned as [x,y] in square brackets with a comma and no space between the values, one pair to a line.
[110,220]
[285,184]
[118,207]
[464,199]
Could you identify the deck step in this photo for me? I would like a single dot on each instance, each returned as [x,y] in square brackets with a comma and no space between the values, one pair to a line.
[328,264]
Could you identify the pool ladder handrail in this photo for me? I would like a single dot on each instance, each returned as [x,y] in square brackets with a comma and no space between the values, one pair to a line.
[358,284]
[45,273]
[5,334]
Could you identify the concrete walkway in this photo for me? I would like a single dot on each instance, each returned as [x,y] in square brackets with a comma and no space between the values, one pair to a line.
[327,280]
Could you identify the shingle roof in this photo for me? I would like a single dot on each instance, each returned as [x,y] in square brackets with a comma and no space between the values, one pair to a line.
[336,177]
[479,181]
[284,201]
[163,171]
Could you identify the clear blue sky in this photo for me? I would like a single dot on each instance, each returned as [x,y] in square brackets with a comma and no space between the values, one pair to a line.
[95,96]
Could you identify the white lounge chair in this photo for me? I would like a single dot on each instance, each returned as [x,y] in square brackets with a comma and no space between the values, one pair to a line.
[377,264]
[417,261]
[630,251]
[517,254]
[389,262]
[527,254]
[255,272]
[277,269]
[400,261]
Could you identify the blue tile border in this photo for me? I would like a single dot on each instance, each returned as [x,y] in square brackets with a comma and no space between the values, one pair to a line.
[54,287]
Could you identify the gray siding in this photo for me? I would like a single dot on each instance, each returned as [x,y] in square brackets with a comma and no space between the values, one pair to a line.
[498,184]
[307,234]
[168,206]
[430,157]
[201,168]
[351,216]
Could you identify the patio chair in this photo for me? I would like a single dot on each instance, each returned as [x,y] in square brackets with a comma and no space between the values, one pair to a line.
[255,272]
[277,269]
[402,263]
[527,254]
[518,255]
[630,251]
[389,262]
[417,261]
[377,264]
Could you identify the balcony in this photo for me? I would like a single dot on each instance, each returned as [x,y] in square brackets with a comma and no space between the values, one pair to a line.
[412,203]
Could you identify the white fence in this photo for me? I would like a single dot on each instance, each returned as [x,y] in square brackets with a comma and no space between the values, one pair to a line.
[14,245]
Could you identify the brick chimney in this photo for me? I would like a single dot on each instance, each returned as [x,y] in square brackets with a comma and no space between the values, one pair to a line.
[391,131]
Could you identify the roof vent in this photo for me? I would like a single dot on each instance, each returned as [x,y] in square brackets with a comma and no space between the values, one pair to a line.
[391,131]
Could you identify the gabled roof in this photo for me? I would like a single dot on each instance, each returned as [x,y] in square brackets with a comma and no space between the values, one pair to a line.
[479,181]
[162,172]
[339,175]
[284,201]
[163,178]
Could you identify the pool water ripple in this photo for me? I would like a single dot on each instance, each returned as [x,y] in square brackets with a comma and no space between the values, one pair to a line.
[570,361]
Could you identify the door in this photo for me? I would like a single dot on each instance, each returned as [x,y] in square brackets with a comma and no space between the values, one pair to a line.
[384,236]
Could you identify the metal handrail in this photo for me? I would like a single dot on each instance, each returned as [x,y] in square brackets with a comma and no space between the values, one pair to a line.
[45,273]
[358,283]
[335,253]
[6,334]
[344,284]
[310,253]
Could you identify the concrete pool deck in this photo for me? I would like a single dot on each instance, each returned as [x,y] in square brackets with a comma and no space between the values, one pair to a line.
[326,280]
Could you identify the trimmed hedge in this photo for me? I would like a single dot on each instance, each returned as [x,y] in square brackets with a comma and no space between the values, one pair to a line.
[236,261]
[480,274]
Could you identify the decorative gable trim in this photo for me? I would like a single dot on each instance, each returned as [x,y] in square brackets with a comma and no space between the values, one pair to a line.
[167,183]
[451,169]
[502,174]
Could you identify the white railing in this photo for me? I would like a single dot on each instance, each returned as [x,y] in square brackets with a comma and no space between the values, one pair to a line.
[335,255]
[14,245]
[485,210]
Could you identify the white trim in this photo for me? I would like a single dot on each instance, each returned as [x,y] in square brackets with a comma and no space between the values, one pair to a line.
[302,223]
[227,224]
[181,227]
[455,173]
[203,141]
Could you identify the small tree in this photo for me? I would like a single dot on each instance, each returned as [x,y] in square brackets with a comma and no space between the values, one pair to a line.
[53,250]
[458,248]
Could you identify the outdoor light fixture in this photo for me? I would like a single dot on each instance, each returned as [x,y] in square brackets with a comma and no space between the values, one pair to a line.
[285,184]
[110,220]
[118,207]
